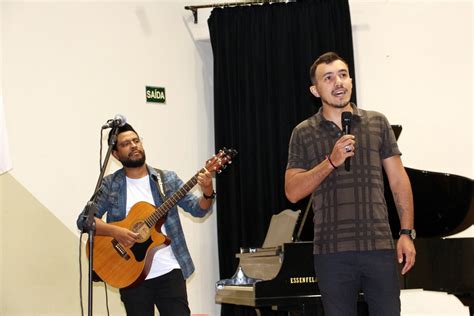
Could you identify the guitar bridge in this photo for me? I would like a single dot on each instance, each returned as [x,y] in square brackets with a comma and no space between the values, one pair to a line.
[120,249]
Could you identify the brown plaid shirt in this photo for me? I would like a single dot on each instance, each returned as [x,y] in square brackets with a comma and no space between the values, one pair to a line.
[350,213]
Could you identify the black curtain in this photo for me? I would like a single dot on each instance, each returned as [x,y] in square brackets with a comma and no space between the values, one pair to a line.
[262,55]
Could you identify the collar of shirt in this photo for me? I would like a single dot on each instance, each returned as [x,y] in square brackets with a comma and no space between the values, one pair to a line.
[357,115]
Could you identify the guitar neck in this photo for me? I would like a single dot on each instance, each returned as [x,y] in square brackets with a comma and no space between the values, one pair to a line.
[161,211]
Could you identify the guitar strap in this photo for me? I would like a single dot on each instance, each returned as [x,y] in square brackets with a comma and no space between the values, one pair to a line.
[159,184]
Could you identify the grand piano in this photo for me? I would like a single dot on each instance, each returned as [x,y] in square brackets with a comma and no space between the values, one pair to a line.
[282,277]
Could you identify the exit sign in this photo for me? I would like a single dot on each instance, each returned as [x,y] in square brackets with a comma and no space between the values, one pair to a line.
[155,94]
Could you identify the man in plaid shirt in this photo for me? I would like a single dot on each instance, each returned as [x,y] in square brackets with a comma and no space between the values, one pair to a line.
[353,246]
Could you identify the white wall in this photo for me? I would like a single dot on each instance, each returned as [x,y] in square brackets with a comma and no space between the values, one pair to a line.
[413,63]
[68,66]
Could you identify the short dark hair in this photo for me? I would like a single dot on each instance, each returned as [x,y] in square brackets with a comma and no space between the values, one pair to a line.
[125,128]
[325,58]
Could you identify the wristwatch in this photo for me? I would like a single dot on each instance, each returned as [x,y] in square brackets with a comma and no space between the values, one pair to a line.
[209,197]
[409,232]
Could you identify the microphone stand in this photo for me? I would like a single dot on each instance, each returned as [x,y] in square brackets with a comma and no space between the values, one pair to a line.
[88,216]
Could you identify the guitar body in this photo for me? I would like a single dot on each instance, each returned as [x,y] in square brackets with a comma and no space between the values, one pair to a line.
[121,266]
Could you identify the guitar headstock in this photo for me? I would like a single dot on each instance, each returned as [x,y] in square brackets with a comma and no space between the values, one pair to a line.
[220,160]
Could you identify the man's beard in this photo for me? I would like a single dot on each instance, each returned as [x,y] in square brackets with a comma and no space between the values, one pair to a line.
[336,105]
[130,163]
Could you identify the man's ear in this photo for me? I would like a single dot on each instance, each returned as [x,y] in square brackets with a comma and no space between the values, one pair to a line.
[314,91]
[114,153]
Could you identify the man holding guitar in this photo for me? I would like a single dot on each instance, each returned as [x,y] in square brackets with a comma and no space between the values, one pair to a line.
[142,249]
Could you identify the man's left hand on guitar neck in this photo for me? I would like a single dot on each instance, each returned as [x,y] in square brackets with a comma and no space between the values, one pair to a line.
[204,180]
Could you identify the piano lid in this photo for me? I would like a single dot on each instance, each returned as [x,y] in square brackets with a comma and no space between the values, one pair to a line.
[444,203]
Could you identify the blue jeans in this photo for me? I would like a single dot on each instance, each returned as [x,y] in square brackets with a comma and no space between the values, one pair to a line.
[167,292]
[342,276]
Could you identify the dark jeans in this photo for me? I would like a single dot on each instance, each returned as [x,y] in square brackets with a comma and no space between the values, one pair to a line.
[343,275]
[167,292]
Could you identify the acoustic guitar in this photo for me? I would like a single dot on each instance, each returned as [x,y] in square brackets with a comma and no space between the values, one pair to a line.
[121,266]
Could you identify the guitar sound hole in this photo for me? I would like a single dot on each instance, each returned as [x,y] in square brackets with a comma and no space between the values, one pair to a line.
[139,249]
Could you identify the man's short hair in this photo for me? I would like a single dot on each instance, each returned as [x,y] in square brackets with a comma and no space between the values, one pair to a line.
[125,128]
[325,58]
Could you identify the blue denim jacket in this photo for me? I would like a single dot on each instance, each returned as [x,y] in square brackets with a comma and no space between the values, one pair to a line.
[112,198]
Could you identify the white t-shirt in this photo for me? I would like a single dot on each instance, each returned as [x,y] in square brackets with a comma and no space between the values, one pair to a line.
[164,260]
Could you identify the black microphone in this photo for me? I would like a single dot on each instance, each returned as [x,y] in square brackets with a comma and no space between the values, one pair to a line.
[346,118]
[118,121]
